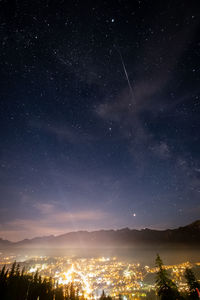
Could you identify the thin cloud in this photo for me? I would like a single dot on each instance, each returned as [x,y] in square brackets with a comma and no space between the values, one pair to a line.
[161,150]
[51,221]
[148,87]
[63,133]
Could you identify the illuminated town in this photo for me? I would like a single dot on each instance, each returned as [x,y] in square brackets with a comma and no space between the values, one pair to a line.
[93,275]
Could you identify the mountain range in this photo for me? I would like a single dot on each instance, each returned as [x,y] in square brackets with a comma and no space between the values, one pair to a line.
[125,237]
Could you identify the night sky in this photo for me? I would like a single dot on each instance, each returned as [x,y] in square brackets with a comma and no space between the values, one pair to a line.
[99,115]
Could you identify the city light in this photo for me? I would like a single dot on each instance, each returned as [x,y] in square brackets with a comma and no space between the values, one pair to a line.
[90,276]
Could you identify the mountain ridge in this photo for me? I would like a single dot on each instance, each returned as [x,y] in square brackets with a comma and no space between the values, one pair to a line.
[189,235]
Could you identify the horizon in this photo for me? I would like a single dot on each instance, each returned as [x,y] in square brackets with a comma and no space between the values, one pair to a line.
[99,118]
[101,229]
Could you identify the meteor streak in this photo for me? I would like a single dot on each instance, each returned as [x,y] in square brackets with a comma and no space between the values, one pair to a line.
[126,74]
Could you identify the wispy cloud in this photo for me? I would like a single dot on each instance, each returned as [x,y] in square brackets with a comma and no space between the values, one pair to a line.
[52,212]
[151,79]
[51,220]
[161,150]
[73,135]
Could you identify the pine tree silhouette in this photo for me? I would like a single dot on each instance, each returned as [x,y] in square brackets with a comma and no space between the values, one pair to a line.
[165,287]
[192,283]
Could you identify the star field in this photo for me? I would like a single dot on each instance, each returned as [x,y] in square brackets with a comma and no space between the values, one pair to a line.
[99,115]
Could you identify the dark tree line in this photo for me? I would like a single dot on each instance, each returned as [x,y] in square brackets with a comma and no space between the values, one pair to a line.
[15,284]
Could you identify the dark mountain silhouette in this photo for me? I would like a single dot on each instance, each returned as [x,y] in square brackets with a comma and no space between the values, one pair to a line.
[5,243]
[187,235]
